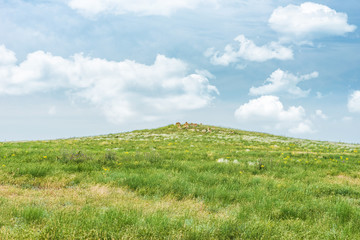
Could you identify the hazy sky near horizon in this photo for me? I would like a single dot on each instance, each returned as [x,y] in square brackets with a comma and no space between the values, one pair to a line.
[86,67]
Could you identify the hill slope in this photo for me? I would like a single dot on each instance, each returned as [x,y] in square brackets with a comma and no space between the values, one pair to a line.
[200,182]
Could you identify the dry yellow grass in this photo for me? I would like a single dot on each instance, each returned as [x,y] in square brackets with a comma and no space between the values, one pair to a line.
[101,195]
[344,179]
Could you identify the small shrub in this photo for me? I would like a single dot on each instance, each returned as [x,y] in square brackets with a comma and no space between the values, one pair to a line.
[110,156]
[75,157]
[152,157]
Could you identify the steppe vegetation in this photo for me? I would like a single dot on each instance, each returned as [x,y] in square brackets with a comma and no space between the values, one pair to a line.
[199,182]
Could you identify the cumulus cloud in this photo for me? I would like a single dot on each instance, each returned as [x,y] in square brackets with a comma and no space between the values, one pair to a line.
[308,21]
[269,112]
[7,57]
[139,7]
[122,90]
[282,81]
[320,114]
[248,50]
[354,102]
[269,107]
[302,127]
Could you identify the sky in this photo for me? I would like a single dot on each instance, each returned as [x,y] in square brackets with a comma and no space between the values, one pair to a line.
[71,68]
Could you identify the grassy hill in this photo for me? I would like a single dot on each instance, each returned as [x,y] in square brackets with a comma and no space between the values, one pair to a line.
[203,182]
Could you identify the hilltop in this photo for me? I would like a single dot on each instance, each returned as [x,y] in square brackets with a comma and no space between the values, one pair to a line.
[180,182]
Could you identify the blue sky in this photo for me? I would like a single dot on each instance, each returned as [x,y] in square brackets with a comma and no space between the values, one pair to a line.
[86,67]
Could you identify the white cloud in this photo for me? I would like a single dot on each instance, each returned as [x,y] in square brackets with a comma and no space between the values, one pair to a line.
[248,50]
[308,21]
[281,81]
[302,127]
[7,57]
[39,72]
[268,112]
[241,66]
[139,7]
[320,114]
[270,108]
[319,95]
[122,90]
[354,102]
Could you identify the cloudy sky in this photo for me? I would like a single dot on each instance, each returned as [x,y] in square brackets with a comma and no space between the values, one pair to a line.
[86,67]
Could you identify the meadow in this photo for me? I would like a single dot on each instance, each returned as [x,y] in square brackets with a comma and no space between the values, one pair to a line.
[203,182]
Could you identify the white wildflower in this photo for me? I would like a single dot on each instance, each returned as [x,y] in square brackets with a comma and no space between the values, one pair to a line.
[222,160]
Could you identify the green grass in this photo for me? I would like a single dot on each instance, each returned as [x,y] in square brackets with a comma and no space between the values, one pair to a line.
[171,183]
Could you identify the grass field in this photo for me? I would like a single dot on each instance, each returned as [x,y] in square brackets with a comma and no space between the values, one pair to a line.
[169,183]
